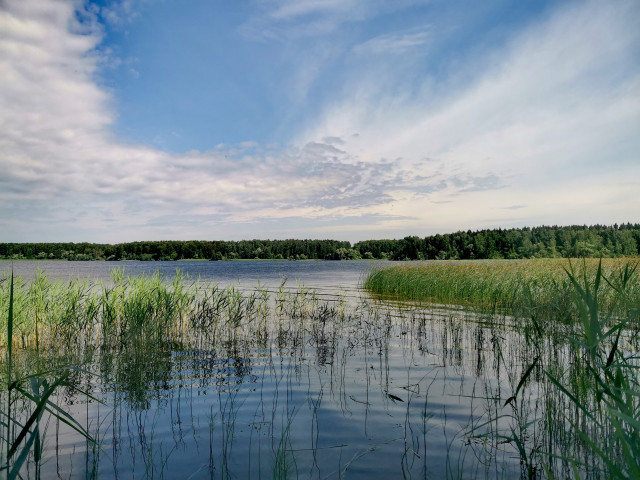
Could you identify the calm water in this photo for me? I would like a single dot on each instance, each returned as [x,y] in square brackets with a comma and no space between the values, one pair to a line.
[324,276]
[346,390]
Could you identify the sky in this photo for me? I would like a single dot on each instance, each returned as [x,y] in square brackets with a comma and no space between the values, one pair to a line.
[133,120]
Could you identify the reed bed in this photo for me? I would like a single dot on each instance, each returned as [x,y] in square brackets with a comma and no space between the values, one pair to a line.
[514,287]
[587,374]
[589,380]
[49,331]
[50,314]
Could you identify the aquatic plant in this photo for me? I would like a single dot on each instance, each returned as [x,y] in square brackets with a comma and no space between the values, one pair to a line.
[605,387]
[23,409]
[511,287]
[591,415]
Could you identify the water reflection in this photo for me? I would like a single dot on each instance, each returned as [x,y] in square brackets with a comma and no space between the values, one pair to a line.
[372,393]
[284,382]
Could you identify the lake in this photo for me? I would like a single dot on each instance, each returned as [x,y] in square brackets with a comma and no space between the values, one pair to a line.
[313,379]
[325,276]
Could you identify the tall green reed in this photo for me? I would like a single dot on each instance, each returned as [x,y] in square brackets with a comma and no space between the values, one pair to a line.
[509,287]
[22,434]
[587,378]
[606,387]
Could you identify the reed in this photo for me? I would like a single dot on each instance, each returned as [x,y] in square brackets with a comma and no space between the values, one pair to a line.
[605,386]
[589,381]
[22,435]
[513,287]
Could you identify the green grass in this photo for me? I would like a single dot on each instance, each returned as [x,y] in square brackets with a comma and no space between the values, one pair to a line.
[505,286]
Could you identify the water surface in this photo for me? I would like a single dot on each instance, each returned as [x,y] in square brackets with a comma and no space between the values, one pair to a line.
[324,276]
[313,389]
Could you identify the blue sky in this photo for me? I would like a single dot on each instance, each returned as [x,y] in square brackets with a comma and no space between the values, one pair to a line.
[347,119]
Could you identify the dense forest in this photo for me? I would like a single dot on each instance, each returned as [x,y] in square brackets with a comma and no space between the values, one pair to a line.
[572,241]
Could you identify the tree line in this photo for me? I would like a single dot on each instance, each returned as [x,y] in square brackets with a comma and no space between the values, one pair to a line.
[542,242]
[537,242]
[179,250]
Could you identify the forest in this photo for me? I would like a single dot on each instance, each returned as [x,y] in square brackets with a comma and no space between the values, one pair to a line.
[537,242]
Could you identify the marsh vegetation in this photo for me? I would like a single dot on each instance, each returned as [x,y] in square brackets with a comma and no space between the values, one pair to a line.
[526,370]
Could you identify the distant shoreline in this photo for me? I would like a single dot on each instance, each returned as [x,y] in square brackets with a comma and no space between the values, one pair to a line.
[526,242]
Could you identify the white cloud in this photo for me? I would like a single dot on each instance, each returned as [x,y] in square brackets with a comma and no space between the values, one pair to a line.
[118,12]
[557,106]
[393,43]
[60,161]
[277,19]
[288,9]
[550,127]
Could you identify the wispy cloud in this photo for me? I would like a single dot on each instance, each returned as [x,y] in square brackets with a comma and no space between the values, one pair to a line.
[118,12]
[289,9]
[60,159]
[546,127]
[547,112]
[393,43]
[277,19]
